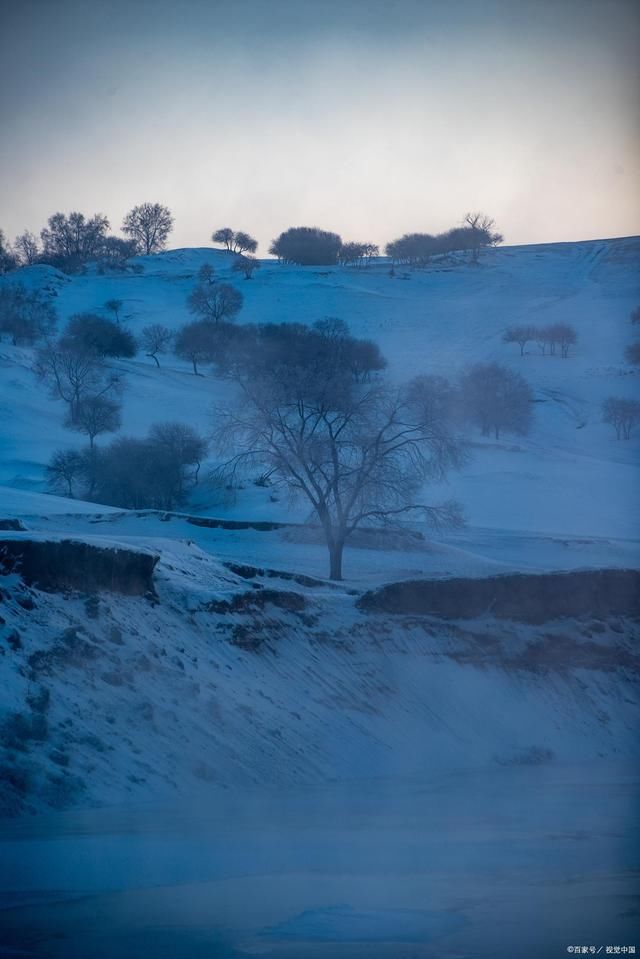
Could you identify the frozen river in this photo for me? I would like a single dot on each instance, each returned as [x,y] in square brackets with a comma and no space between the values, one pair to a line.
[519,862]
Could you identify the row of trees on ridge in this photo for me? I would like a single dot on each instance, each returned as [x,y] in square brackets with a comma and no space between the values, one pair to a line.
[70,241]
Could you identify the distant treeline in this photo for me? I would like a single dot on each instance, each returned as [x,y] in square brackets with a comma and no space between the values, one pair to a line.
[68,242]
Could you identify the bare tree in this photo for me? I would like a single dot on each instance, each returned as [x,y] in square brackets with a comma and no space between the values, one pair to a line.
[64,470]
[69,241]
[154,472]
[88,332]
[481,233]
[357,254]
[553,335]
[215,301]
[246,265]
[115,307]
[26,315]
[563,335]
[116,251]
[365,358]
[8,260]
[74,374]
[243,243]
[622,414]
[155,339]
[357,456]
[26,248]
[149,225]
[235,241]
[520,335]
[351,254]
[95,415]
[225,236]
[543,341]
[496,399]
[206,273]
[435,400]
[370,250]
[196,342]
[182,446]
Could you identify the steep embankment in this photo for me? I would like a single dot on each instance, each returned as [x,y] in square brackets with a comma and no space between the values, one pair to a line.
[227,676]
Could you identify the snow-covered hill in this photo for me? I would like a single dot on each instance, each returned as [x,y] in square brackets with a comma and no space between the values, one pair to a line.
[365,784]
[569,477]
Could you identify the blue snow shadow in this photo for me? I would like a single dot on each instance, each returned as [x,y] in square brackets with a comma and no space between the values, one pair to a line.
[346,924]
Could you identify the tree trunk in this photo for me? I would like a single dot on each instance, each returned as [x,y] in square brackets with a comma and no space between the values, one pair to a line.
[153,356]
[335,560]
[92,470]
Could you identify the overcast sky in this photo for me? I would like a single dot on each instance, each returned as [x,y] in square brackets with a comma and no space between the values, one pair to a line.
[368,117]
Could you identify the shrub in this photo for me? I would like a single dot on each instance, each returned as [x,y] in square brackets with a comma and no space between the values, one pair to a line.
[67,469]
[215,301]
[632,354]
[307,246]
[196,342]
[70,241]
[357,254]
[26,316]
[246,265]
[90,333]
[496,399]
[154,472]
[412,249]
[520,335]
[622,414]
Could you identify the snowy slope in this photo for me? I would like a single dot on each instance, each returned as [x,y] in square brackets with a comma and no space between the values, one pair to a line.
[558,480]
[220,679]
[284,774]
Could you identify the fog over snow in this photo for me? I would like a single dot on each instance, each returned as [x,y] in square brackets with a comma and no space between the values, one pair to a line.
[216,751]
[319,479]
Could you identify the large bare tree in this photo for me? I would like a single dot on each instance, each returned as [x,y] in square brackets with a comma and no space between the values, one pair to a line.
[148,225]
[481,231]
[360,455]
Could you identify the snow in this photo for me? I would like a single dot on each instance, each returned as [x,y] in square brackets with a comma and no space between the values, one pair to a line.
[557,480]
[309,780]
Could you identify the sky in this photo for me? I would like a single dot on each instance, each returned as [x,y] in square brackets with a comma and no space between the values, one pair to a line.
[365,117]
